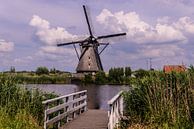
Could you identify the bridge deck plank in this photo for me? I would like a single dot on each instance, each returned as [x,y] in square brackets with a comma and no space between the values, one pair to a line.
[91,119]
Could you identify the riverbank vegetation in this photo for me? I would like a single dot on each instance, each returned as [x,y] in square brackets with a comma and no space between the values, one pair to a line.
[42,75]
[20,108]
[160,100]
[115,76]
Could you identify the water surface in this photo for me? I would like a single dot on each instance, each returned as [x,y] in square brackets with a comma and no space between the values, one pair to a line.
[98,96]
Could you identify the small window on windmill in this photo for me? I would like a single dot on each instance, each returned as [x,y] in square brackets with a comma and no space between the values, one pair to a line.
[89,65]
[89,58]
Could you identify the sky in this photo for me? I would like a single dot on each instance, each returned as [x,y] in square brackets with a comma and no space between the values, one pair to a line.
[157,30]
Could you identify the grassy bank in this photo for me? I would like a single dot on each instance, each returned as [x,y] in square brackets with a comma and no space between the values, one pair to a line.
[33,78]
[159,100]
[20,108]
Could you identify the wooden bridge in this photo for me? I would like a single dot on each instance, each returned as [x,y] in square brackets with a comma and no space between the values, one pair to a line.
[70,112]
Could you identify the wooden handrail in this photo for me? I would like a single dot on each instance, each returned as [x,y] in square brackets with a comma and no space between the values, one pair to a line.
[115,112]
[114,99]
[64,96]
[64,108]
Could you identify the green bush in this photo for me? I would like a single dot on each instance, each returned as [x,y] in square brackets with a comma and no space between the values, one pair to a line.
[42,70]
[88,79]
[100,78]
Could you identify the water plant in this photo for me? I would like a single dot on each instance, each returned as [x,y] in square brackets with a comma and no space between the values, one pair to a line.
[17,103]
[160,100]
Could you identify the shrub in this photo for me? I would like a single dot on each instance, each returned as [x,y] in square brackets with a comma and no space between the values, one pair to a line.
[88,79]
[42,70]
[100,77]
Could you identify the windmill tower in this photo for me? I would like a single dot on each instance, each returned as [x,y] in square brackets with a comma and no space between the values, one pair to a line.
[89,59]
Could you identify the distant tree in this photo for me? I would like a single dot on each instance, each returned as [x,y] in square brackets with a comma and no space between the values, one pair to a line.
[116,75]
[100,77]
[53,70]
[128,72]
[111,75]
[141,73]
[12,69]
[42,70]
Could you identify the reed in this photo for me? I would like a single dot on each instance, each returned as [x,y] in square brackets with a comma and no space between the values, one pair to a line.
[22,120]
[160,100]
[17,103]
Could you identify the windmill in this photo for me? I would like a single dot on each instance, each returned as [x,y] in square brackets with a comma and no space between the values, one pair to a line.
[89,58]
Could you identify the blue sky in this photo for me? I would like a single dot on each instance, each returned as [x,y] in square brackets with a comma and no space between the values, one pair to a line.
[159,29]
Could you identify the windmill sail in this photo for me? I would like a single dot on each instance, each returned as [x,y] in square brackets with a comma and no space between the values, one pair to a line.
[89,60]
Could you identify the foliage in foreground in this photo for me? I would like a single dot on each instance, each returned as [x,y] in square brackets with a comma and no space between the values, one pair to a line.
[22,120]
[20,108]
[161,100]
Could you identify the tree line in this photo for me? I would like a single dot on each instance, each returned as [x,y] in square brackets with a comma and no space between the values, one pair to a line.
[41,70]
[120,75]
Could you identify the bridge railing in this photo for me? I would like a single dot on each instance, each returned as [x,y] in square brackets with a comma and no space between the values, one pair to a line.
[63,109]
[115,112]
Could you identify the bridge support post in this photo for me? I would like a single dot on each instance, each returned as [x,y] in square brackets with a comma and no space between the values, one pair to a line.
[45,115]
[115,112]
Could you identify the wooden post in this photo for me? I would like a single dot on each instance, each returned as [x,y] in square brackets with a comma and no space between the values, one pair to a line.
[45,115]
[59,112]
[115,110]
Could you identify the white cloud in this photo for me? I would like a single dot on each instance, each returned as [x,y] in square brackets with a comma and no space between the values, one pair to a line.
[137,30]
[185,24]
[6,46]
[39,22]
[50,35]
[167,33]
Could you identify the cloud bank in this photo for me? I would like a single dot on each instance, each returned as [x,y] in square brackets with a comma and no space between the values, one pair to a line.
[162,40]
[141,32]
[49,35]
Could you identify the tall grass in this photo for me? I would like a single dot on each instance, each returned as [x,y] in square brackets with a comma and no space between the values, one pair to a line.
[20,107]
[22,120]
[161,100]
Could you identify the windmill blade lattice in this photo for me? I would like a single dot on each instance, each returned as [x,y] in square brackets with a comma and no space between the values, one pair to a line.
[89,59]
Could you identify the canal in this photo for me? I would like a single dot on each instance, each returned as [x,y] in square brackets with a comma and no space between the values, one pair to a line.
[98,95]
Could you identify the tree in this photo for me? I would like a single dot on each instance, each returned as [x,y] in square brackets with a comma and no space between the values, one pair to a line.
[141,73]
[12,69]
[42,70]
[116,75]
[53,71]
[128,72]
[100,77]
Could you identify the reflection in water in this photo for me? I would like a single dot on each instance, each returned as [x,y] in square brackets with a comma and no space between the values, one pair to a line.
[92,93]
[98,96]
